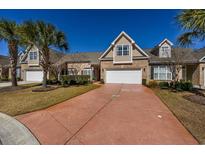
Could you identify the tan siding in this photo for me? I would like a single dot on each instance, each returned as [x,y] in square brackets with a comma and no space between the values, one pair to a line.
[79,66]
[123,40]
[110,53]
[201,74]
[136,52]
[1,70]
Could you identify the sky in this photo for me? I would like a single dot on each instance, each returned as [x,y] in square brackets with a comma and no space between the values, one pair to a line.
[94,30]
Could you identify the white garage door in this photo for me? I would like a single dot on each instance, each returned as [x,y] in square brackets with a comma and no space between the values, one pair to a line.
[124,76]
[34,76]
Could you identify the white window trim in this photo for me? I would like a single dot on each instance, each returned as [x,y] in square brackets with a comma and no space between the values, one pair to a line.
[185,69]
[33,55]
[204,75]
[115,54]
[158,68]
[87,69]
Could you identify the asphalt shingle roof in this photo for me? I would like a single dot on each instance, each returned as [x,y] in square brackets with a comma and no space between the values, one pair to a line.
[199,53]
[91,57]
[187,55]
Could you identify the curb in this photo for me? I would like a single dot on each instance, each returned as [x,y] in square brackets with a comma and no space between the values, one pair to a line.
[12,132]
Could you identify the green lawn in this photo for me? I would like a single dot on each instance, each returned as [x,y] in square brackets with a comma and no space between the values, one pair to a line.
[190,114]
[23,101]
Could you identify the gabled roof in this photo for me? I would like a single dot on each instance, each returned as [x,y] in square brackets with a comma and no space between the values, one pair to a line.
[200,54]
[165,40]
[128,37]
[187,56]
[78,57]
[54,55]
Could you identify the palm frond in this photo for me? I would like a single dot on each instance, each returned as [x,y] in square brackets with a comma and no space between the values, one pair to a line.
[193,23]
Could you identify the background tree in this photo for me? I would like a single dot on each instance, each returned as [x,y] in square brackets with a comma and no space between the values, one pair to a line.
[176,63]
[193,23]
[9,34]
[45,37]
[57,67]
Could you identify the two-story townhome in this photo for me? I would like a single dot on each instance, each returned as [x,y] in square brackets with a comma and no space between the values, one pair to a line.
[125,62]
[83,63]
[30,69]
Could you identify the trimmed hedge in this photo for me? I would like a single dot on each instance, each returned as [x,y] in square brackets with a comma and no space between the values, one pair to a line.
[182,86]
[178,86]
[152,84]
[75,79]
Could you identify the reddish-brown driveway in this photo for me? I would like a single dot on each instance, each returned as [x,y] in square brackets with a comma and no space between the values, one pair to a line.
[111,114]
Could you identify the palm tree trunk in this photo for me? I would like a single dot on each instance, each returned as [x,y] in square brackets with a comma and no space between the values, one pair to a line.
[44,78]
[13,76]
[13,51]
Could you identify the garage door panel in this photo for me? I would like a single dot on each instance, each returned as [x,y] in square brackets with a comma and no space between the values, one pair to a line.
[124,76]
[34,76]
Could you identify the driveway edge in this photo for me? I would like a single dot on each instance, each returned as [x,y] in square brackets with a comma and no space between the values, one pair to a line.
[12,132]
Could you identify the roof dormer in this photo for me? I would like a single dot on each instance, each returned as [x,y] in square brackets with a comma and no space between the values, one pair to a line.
[165,48]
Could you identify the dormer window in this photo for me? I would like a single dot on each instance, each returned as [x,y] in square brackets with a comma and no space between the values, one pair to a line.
[165,51]
[165,48]
[33,55]
[122,50]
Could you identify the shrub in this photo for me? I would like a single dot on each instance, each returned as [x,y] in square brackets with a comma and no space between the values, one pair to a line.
[49,82]
[75,79]
[152,84]
[64,83]
[187,86]
[19,79]
[182,85]
[5,79]
[164,85]
[102,81]
[144,82]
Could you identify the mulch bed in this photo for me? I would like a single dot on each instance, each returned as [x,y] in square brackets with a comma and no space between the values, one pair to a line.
[8,89]
[195,99]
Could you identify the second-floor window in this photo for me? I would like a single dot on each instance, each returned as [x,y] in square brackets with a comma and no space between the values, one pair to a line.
[165,51]
[122,50]
[33,55]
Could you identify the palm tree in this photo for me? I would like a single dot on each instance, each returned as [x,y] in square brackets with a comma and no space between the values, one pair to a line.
[9,34]
[45,37]
[193,23]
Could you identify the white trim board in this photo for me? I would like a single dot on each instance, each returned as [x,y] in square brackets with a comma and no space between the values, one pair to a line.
[166,40]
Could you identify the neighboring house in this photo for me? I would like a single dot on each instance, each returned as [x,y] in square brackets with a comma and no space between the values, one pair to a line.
[125,62]
[30,69]
[82,63]
[85,63]
[4,64]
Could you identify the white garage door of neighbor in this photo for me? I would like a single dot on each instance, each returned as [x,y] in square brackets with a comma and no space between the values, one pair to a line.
[124,76]
[34,76]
